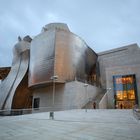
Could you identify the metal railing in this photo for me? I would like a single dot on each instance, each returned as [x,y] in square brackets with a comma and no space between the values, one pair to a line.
[136,112]
[14,112]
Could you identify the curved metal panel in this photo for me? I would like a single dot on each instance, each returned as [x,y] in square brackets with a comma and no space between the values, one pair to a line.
[42,58]
[53,26]
[18,70]
[24,63]
[73,58]
[57,51]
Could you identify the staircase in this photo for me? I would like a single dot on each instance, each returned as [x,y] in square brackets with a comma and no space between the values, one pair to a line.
[97,99]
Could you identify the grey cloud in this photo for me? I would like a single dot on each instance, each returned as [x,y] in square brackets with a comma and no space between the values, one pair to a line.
[103,24]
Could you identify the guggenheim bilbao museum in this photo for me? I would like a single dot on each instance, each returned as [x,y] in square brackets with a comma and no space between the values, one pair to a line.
[58,69]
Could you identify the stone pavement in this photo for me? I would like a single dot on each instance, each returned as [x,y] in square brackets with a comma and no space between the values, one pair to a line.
[72,125]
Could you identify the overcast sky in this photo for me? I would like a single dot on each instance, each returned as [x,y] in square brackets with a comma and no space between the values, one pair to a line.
[103,24]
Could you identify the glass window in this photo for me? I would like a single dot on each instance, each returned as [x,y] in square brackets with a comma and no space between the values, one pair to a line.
[125,91]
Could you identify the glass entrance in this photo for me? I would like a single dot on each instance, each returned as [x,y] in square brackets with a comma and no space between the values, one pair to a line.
[125,91]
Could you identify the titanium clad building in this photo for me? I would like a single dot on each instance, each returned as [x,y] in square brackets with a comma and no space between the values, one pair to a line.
[57,51]
[58,69]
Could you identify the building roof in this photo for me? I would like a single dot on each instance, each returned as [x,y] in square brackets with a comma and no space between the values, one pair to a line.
[118,49]
[51,26]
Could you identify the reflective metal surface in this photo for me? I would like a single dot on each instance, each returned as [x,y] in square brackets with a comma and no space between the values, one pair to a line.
[53,26]
[57,51]
[73,58]
[42,58]
[19,68]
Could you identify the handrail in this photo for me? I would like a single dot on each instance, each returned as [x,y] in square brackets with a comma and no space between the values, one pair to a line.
[103,102]
[13,112]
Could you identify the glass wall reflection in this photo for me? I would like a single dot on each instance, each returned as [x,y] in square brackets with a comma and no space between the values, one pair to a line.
[125,91]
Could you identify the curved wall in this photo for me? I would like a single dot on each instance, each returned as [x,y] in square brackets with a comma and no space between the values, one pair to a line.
[42,58]
[73,58]
[18,70]
[57,51]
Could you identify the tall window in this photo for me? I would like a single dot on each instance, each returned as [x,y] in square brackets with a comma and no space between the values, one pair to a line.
[125,91]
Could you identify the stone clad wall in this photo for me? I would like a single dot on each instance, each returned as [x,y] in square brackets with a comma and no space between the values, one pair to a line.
[68,95]
[120,61]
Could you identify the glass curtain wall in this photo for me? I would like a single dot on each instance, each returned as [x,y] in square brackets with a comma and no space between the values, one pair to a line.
[125,91]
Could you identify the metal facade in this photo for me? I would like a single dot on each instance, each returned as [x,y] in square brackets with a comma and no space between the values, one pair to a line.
[57,51]
[18,70]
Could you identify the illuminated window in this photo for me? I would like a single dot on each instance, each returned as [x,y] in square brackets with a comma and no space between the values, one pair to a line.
[125,91]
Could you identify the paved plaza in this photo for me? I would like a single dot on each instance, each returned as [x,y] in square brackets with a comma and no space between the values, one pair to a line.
[72,125]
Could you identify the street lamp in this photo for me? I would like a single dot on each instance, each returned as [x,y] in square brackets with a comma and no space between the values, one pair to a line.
[54,78]
[86,85]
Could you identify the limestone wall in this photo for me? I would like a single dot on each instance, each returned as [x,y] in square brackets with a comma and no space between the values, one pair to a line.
[120,61]
[68,95]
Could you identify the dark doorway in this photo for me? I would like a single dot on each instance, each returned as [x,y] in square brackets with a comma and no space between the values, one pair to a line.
[36,102]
